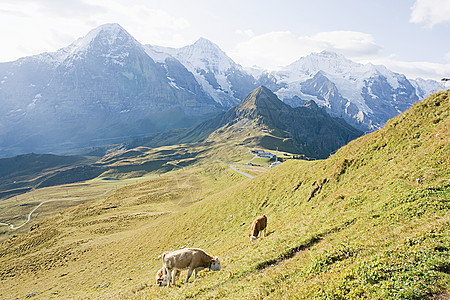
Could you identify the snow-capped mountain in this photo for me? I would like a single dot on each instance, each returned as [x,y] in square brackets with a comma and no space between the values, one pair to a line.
[106,87]
[102,88]
[366,96]
[224,80]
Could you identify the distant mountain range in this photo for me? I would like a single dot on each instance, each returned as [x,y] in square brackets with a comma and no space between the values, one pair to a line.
[107,87]
[261,119]
[366,96]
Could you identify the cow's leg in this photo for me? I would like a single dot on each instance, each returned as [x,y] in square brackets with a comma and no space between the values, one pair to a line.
[174,274]
[168,279]
[265,232]
[188,275]
[195,274]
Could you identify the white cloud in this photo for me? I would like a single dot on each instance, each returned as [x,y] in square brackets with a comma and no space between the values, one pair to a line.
[349,43]
[245,33]
[416,69]
[275,49]
[30,27]
[447,57]
[430,12]
[58,9]
[272,49]
[146,23]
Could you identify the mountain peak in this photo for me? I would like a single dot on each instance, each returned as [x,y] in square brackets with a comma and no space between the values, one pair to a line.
[329,54]
[205,55]
[105,35]
[206,48]
[259,96]
[203,42]
[263,104]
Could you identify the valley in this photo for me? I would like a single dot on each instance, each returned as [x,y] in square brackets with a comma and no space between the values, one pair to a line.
[369,221]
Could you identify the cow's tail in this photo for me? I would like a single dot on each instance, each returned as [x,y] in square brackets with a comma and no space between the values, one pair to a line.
[163,254]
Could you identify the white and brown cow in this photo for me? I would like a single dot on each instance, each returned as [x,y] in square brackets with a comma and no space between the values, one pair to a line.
[159,277]
[258,225]
[190,258]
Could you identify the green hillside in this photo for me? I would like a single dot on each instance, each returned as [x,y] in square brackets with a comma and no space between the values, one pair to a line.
[371,221]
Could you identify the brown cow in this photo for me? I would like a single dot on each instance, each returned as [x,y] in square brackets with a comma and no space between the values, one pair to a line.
[191,258]
[258,225]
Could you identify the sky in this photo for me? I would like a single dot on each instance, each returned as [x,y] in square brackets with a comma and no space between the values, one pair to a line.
[411,37]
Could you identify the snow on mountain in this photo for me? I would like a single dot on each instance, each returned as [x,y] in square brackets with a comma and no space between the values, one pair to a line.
[425,87]
[205,55]
[220,77]
[347,75]
[366,96]
[109,36]
[158,54]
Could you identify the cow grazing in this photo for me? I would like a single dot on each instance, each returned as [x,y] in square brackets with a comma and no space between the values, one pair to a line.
[258,225]
[159,277]
[190,258]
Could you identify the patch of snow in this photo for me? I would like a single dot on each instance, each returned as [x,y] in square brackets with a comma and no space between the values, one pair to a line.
[389,75]
[199,58]
[158,56]
[425,88]
[360,116]
[205,55]
[255,71]
[173,84]
[33,102]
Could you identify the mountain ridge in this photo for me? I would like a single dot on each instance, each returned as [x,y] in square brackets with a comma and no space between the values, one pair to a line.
[267,122]
[113,88]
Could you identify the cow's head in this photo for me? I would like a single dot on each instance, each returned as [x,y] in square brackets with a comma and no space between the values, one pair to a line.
[252,238]
[215,264]
[159,277]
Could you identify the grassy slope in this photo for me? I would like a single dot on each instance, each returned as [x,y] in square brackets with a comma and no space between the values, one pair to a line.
[372,229]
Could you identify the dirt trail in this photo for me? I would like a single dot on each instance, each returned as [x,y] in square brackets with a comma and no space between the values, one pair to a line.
[240,172]
[31,213]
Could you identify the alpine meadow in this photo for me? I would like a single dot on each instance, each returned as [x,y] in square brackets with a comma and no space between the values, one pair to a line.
[127,167]
[376,228]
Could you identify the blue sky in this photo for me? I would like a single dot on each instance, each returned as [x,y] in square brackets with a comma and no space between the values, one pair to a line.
[410,37]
